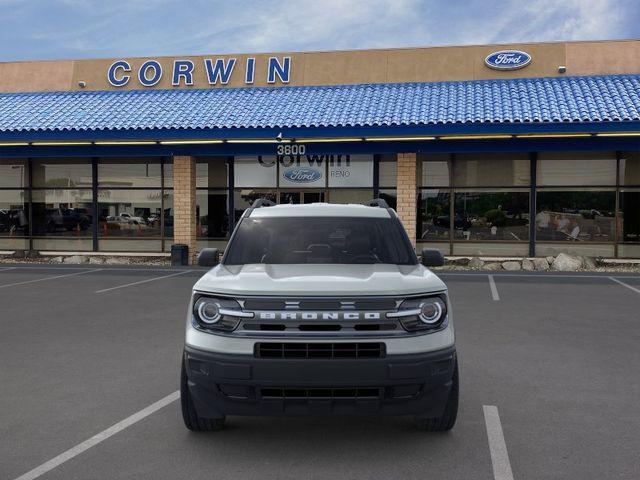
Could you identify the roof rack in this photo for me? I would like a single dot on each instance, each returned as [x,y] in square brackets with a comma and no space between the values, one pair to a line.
[377,202]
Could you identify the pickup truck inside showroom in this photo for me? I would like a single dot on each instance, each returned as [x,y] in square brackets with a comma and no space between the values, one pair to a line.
[319,309]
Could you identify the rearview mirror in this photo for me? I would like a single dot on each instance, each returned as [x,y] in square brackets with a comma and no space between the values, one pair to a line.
[208,257]
[432,258]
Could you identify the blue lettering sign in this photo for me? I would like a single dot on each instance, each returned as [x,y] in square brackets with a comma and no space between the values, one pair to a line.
[219,71]
[112,74]
[251,68]
[143,73]
[507,60]
[182,69]
[281,70]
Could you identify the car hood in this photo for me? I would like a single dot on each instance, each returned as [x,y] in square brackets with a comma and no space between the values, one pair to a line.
[319,280]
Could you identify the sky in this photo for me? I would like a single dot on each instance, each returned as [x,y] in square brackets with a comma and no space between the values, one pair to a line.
[70,29]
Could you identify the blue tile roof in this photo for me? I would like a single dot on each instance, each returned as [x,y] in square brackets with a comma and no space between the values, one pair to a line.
[613,98]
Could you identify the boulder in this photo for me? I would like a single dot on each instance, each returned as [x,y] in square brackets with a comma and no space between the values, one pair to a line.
[589,263]
[76,259]
[56,260]
[540,264]
[549,260]
[96,260]
[475,262]
[511,265]
[493,266]
[566,263]
[528,265]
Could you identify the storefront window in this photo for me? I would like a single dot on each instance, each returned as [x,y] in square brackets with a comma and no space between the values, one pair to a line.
[255,172]
[387,171]
[434,170]
[575,216]
[576,169]
[14,214]
[491,170]
[630,216]
[62,213]
[129,173]
[630,168]
[212,214]
[211,172]
[350,195]
[129,213]
[487,216]
[244,198]
[389,195]
[13,173]
[434,215]
[62,173]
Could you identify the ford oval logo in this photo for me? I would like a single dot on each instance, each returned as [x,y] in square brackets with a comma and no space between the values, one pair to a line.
[507,60]
[302,175]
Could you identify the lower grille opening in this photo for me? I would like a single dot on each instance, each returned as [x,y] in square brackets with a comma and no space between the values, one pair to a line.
[268,327]
[312,393]
[320,350]
[319,328]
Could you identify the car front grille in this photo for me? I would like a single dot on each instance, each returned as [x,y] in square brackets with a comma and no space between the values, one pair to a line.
[320,304]
[301,350]
[322,393]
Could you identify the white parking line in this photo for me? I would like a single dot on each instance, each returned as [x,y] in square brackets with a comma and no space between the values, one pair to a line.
[494,289]
[141,282]
[100,437]
[625,284]
[15,284]
[497,445]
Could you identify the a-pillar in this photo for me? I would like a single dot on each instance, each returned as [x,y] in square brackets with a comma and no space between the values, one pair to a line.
[407,205]
[184,204]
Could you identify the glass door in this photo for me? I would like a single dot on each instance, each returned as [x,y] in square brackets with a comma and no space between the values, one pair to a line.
[304,196]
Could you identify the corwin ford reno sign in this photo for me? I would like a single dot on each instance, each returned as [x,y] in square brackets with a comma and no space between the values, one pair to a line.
[507,60]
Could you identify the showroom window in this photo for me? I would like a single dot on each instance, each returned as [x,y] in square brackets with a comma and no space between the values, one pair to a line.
[14,204]
[434,202]
[130,204]
[388,179]
[576,203]
[212,201]
[629,205]
[62,213]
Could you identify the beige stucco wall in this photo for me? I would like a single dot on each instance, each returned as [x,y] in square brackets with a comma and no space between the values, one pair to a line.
[345,67]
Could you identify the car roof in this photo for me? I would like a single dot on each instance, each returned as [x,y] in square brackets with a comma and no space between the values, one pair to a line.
[321,210]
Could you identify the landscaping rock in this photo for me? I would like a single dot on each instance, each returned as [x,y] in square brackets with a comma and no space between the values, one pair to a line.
[493,266]
[464,261]
[56,260]
[76,259]
[117,261]
[566,263]
[540,264]
[589,263]
[96,260]
[512,265]
[549,260]
[528,265]
[475,262]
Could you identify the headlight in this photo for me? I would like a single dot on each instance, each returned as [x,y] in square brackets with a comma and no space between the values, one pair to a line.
[426,313]
[217,313]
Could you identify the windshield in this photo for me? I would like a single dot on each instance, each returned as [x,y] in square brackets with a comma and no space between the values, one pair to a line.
[316,240]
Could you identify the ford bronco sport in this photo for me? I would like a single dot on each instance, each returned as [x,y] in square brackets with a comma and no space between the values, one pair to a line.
[319,309]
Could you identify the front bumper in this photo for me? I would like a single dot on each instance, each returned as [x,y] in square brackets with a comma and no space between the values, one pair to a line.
[228,384]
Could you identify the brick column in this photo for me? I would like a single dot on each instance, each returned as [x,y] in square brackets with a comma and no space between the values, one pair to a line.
[184,204]
[407,193]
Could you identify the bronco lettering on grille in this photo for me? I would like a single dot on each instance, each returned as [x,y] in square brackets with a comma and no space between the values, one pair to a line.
[319,315]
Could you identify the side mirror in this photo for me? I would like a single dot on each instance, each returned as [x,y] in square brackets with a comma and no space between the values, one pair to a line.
[208,257]
[432,258]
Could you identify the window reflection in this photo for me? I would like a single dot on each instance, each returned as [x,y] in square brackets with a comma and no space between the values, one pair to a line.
[129,213]
[630,216]
[67,173]
[65,213]
[582,216]
[433,215]
[483,216]
[212,214]
[14,214]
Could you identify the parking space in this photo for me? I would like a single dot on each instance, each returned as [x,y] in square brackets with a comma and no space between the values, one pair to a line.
[84,348]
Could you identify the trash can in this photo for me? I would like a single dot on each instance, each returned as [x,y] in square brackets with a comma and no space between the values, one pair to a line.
[179,255]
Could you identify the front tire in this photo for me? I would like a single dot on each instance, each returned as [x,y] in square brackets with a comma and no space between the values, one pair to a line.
[191,419]
[447,420]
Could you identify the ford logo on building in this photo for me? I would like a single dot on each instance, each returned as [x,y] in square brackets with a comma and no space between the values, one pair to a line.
[507,60]
[302,175]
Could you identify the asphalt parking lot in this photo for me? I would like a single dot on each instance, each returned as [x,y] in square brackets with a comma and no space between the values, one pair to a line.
[85,349]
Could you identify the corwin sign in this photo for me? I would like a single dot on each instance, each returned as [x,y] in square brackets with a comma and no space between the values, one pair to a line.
[507,60]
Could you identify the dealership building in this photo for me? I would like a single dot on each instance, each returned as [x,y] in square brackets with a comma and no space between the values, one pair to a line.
[494,150]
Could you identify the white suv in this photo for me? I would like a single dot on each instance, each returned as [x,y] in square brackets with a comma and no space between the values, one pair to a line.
[319,309]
